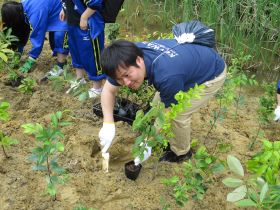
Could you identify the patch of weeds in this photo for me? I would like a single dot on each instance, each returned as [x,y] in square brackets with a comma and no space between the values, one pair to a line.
[265,110]
[266,163]
[197,175]
[27,85]
[252,190]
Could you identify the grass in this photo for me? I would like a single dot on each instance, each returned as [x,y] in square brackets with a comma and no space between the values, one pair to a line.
[251,26]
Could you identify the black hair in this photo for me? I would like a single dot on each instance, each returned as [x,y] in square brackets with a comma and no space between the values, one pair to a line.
[120,53]
[13,17]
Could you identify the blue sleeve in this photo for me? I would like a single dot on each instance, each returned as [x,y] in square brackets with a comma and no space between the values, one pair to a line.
[278,87]
[112,81]
[38,22]
[169,88]
[93,4]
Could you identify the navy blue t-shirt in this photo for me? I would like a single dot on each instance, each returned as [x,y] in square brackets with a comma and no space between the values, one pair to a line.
[171,67]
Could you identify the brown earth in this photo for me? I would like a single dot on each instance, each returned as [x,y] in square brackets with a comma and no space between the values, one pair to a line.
[21,188]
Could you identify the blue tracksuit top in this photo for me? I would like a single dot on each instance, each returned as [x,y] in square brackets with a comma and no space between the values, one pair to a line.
[179,67]
[95,21]
[278,87]
[43,16]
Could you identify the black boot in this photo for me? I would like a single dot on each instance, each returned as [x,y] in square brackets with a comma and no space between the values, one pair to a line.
[170,156]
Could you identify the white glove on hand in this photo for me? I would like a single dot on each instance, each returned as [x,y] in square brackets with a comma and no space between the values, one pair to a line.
[106,136]
[147,154]
[277,113]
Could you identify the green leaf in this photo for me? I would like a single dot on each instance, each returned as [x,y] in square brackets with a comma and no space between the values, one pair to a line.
[58,115]
[208,160]
[261,169]
[172,181]
[232,182]
[235,165]
[267,144]
[65,123]
[83,96]
[7,141]
[57,169]
[260,181]
[31,128]
[238,194]
[60,147]
[4,115]
[7,51]
[39,168]
[277,145]
[3,57]
[217,168]
[263,192]
[4,105]
[54,120]
[245,203]
[51,189]
[32,158]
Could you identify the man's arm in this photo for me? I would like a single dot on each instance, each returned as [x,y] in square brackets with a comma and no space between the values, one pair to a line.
[92,6]
[85,16]
[108,100]
[107,132]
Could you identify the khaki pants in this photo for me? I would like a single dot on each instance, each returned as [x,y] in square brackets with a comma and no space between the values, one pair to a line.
[181,126]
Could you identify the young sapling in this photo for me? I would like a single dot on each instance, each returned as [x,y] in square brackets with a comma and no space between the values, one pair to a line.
[48,146]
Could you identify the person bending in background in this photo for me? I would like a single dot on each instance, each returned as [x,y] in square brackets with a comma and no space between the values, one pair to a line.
[170,68]
[277,110]
[39,17]
[86,41]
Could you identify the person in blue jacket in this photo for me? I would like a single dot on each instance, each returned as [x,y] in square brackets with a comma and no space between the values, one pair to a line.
[86,41]
[277,110]
[168,66]
[37,17]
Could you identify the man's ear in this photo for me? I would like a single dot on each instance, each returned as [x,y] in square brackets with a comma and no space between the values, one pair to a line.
[139,61]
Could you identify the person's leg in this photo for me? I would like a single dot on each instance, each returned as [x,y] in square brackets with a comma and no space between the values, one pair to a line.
[74,43]
[181,126]
[79,73]
[92,50]
[58,43]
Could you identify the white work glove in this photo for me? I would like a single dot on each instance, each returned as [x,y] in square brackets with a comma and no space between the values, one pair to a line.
[147,154]
[277,114]
[106,136]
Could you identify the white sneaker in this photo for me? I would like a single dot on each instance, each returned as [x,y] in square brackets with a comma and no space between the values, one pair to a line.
[94,93]
[55,71]
[75,84]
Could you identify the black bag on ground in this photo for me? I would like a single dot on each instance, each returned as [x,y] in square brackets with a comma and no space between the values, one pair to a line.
[111,10]
[194,32]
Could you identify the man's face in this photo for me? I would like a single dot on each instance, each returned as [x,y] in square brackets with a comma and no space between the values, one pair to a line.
[133,76]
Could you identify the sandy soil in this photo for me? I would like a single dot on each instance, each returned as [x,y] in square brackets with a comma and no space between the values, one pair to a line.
[21,188]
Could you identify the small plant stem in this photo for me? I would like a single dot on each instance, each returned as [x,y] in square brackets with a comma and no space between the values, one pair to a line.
[252,143]
[215,119]
[155,169]
[4,152]
[237,102]
[49,175]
